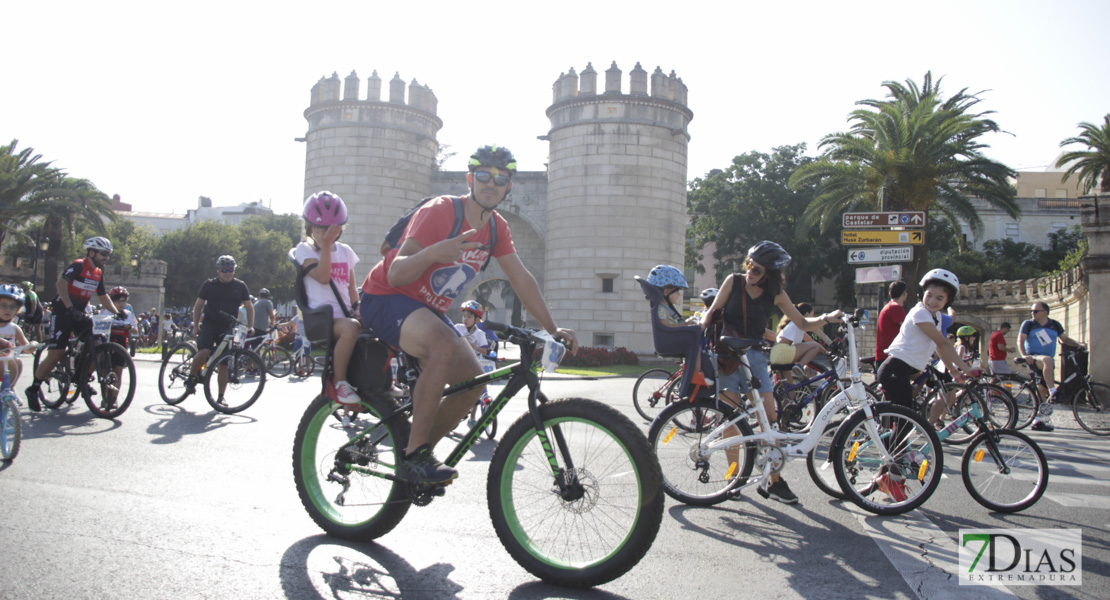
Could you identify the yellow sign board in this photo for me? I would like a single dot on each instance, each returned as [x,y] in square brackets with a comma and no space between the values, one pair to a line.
[858,238]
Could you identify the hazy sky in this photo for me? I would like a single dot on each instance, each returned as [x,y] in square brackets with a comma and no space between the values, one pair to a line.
[164,102]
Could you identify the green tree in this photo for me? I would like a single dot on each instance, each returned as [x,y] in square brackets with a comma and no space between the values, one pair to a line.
[22,173]
[750,201]
[190,255]
[913,150]
[1093,164]
[264,262]
[66,204]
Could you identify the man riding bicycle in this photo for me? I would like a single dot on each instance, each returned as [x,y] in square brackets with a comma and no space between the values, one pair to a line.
[78,283]
[406,295]
[32,310]
[1037,343]
[221,294]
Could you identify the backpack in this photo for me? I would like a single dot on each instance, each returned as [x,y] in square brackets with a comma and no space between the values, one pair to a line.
[393,236]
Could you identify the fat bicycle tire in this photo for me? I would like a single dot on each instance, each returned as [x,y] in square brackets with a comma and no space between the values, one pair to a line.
[278,361]
[1011,480]
[604,531]
[113,395]
[821,467]
[862,472]
[11,429]
[174,372]
[652,392]
[246,377]
[1092,408]
[689,477]
[59,385]
[374,502]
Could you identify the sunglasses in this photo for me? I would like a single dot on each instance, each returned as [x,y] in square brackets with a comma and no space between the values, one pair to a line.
[1036,310]
[232,270]
[104,253]
[485,177]
[756,270]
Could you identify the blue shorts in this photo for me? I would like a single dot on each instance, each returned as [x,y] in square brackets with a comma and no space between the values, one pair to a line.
[738,380]
[382,316]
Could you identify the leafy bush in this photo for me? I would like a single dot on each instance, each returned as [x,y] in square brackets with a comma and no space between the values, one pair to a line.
[600,357]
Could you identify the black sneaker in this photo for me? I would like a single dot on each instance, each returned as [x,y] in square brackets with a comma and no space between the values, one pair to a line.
[1042,426]
[781,492]
[422,467]
[190,385]
[32,392]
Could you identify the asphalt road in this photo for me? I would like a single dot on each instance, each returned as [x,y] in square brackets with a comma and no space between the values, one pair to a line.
[184,502]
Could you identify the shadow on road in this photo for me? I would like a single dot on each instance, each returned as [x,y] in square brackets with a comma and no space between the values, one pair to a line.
[70,419]
[176,422]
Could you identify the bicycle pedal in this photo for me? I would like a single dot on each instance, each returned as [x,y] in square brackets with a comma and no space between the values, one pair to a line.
[762,492]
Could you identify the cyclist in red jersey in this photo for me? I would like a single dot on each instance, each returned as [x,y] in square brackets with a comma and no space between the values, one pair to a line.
[78,283]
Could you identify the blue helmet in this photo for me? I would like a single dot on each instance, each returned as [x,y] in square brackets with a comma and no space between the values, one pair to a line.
[10,290]
[664,275]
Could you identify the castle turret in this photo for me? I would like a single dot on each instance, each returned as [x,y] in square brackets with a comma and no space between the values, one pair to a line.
[616,199]
[377,155]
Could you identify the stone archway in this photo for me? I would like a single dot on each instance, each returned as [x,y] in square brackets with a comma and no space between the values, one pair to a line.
[502,305]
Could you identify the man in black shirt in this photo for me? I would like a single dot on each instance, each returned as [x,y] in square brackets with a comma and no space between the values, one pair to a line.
[219,295]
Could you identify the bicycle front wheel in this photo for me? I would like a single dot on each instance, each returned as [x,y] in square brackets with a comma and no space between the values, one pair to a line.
[175,370]
[1005,470]
[651,393]
[234,381]
[278,361]
[11,429]
[872,481]
[1026,402]
[820,464]
[305,365]
[342,471]
[604,517]
[1092,409]
[691,474]
[114,390]
[58,387]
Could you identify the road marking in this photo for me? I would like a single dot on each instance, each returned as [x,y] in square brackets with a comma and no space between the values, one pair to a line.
[1079,500]
[923,555]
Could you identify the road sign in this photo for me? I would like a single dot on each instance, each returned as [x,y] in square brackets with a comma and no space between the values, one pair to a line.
[911,219]
[890,254]
[860,238]
[878,274]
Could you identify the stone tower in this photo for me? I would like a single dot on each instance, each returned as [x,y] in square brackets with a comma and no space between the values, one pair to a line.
[616,199]
[377,155]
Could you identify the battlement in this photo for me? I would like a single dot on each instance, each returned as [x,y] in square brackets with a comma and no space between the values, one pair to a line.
[328,90]
[663,87]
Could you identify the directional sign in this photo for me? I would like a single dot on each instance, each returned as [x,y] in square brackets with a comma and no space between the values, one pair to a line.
[860,238]
[881,255]
[878,274]
[912,219]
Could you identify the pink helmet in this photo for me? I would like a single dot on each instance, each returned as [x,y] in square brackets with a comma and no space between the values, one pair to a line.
[324,209]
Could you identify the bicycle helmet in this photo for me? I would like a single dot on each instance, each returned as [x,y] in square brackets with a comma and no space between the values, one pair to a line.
[225,262]
[118,292]
[769,255]
[474,307]
[493,156]
[664,275]
[966,330]
[10,290]
[98,243]
[324,209]
[946,278]
[709,295]
[263,293]
[26,285]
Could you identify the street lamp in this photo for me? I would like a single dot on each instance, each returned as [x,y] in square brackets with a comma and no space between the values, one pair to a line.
[42,244]
[134,260]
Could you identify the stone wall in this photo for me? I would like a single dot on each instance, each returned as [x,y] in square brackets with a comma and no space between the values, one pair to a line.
[144,283]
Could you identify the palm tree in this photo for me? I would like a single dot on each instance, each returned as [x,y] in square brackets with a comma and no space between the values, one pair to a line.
[911,151]
[21,175]
[1091,165]
[67,201]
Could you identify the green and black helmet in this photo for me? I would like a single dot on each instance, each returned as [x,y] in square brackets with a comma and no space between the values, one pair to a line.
[493,156]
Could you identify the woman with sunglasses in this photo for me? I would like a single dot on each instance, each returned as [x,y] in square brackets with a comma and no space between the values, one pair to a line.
[748,300]
[78,283]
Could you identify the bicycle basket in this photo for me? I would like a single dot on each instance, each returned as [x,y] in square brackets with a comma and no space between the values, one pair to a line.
[102,325]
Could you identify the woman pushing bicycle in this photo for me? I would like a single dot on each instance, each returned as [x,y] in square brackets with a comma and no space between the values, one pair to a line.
[748,299]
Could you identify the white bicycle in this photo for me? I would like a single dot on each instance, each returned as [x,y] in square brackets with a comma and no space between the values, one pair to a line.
[889,456]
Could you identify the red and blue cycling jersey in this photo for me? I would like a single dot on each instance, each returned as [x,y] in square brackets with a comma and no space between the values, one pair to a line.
[84,280]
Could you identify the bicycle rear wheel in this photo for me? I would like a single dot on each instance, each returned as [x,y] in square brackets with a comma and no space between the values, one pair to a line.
[11,429]
[174,372]
[1092,409]
[873,483]
[114,392]
[242,376]
[491,429]
[342,471]
[651,393]
[1005,470]
[58,387]
[691,475]
[278,361]
[305,365]
[606,517]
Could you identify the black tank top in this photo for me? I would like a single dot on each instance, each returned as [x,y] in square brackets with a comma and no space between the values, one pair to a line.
[759,310]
